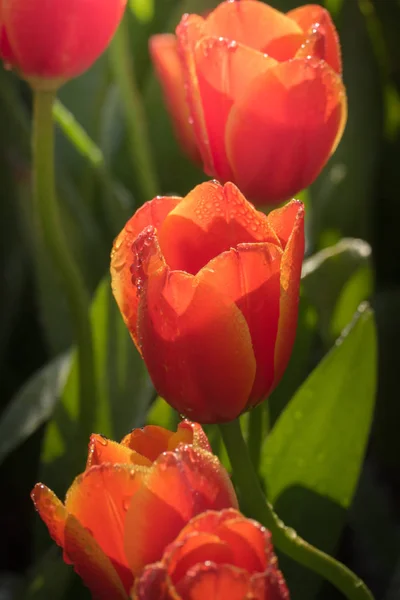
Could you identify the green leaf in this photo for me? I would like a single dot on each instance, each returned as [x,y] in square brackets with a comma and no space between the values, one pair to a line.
[336,280]
[124,395]
[33,404]
[49,578]
[312,459]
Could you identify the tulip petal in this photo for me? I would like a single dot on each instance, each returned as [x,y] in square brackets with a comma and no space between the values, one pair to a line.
[152,440]
[196,548]
[125,292]
[209,220]
[224,69]
[281,131]
[256,25]
[44,46]
[188,32]
[187,330]
[80,548]
[200,440]
[250,276]
[179,486]
[215,582]
[269,585]
[249,542]
[117,485]
[152,584]
[312,19]
[169,68]
[102,450]
[289,218]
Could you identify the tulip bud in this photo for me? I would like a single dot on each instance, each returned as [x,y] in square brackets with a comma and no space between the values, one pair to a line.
[209,288]
[51,41]
[132,500]
[218,556]
[263,90]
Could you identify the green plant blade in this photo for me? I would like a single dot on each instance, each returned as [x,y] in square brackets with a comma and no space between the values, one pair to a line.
[312,459]
[33,404]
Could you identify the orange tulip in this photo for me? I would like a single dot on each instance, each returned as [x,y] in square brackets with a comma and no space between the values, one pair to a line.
[209,288]
[132,501]
[263,90]
[51,41]
[217,556]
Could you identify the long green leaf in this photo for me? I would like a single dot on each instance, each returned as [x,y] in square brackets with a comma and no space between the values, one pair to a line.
[33,405]
[312,459]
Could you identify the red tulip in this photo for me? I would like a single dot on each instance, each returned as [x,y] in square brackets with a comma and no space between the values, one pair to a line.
[122,512]
[209,288]
[264,92]
[217,556]
[50,41]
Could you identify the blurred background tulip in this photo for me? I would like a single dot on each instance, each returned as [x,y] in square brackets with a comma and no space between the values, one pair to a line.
[263,99]
[50,42]
[209,289]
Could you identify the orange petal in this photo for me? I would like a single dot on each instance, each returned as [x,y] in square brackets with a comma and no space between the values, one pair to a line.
[316,22]
[215,582]
[188,32]
[248,541]
[210,219]
[291,218]
[102,450]
[168,66]
[282,130]
[194,340]
[152,584]
[196,548]
[180,485]
[249,275]
[256,25]
[224,69]
[269,585]
[99,499]
[80,548]
[149,442]
[200,440]
[125,292]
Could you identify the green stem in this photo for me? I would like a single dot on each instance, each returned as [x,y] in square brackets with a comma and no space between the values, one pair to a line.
[255,433]
[124,74]
[51,230]
[285,538]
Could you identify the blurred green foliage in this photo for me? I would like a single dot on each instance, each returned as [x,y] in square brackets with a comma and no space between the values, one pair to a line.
[353,256]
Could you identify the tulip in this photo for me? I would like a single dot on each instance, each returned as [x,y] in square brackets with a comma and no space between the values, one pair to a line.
[209,288]
[218,556]
[132,500]
[49,42]
[263,90]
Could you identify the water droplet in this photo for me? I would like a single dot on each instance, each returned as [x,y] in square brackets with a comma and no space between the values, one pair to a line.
[103,440]
[126,503]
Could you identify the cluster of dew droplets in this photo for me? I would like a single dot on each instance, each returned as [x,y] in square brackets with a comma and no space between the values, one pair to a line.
[314,48]
[212,43]
[239,210]
[140,249]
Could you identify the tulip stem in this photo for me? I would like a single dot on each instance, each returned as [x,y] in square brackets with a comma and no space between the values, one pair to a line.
[124,74]
[284,538]
[255,433]
[51,232]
